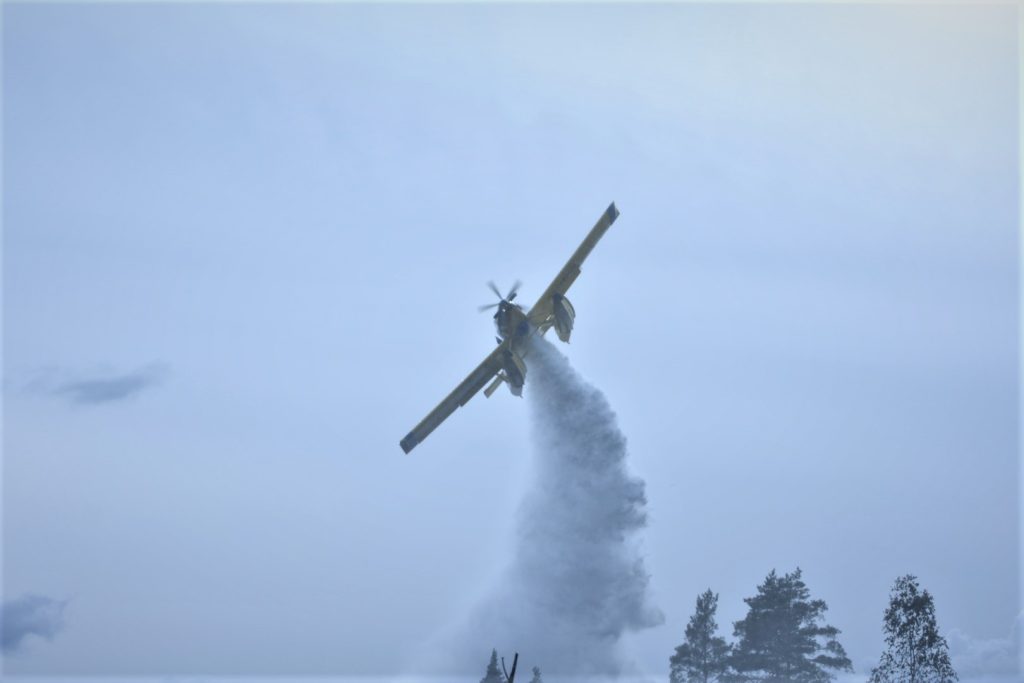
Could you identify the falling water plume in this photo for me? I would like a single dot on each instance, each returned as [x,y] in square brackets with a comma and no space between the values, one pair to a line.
[576,583]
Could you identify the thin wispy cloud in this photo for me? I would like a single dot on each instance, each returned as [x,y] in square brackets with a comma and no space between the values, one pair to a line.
[97,387]
[111,388]
[29,615]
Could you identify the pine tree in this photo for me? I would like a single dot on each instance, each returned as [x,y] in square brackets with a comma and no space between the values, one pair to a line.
[704,656]
[781,638]
[915,652]
[536,675]
[493,674]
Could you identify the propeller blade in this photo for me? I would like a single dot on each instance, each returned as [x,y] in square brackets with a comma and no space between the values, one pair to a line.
[487,307]
[512,292]
[494,288]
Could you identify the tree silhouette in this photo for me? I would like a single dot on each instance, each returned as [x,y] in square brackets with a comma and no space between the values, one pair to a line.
[914,650]
[493,674]
[703,656]
[782,640]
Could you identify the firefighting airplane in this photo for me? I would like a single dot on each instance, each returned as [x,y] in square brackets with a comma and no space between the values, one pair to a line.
[515,327]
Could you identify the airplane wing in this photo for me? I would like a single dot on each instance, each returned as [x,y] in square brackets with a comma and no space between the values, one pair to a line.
[459,397]
[542,310]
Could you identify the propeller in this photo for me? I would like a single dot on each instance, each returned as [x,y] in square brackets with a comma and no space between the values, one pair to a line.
[508,298]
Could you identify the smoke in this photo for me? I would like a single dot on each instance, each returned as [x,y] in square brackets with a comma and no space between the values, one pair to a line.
[577,581]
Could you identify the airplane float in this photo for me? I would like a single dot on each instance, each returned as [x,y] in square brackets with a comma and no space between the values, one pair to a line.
[515,327]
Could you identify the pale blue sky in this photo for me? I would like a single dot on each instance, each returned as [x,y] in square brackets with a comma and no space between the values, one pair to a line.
[281,219]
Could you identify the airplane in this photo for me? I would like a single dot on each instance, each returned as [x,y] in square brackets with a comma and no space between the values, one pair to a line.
[515,327]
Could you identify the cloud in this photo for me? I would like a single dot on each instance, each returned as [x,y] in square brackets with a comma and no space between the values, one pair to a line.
[974,657]
[112,387]
[98,388]
[29,615]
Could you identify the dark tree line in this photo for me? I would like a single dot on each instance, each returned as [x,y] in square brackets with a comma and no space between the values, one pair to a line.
[784,639]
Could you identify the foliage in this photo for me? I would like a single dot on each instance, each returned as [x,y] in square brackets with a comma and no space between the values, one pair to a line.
[703,656]
[782,638]
[915,652]
[493,674]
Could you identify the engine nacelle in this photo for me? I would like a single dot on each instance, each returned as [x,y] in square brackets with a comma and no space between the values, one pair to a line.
[565,316]
[514,371]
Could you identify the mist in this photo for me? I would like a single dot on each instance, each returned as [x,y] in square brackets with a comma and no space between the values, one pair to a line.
[576,582]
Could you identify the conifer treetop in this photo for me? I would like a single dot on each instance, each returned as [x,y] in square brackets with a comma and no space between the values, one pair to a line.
[783,637]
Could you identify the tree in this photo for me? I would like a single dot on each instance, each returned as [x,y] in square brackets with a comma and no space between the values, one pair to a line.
[536,675]
[782,639]
[704,656]
[493,674]
[914,650]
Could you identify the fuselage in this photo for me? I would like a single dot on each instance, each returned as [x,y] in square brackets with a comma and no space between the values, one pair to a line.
[511,321]
[513,328]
